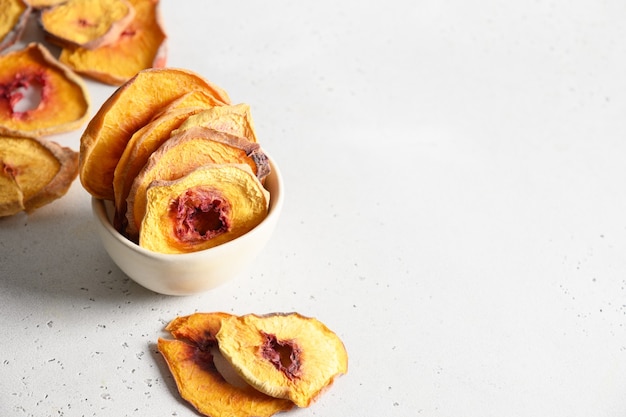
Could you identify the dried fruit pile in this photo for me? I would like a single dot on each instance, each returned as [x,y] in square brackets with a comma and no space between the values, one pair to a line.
[106,40]
[35,171]
[40,94]
[180,162]
[285,360]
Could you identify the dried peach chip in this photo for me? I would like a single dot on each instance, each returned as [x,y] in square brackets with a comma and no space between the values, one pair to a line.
[56,98]
[87,23]
[235,119]
[191,363]
[209,206]
[283,355]
[141,45]
[33,172]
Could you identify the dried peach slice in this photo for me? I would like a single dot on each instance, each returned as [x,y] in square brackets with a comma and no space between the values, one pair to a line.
[209,206]
[33,172]
[63,102]
[129,108]
[141,45]
[197,378]
[182,154]
[87,23]
[283,355]
[235,119]
[13,19]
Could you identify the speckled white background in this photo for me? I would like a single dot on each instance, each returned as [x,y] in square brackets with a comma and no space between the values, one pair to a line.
[456,212]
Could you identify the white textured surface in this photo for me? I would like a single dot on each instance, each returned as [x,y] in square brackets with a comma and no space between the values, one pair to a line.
[455,211]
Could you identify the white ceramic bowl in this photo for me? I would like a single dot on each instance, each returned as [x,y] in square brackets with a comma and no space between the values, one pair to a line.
[189,273]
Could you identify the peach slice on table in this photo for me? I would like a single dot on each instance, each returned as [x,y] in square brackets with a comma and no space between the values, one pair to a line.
[211,205]
[56,98]
[235,119]
[87,23]
[283,355]
[141,45]
[190,360]
[33,172]
[182,154]
[13,19]
[129,108]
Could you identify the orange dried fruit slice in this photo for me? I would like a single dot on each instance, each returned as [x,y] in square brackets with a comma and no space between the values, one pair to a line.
[87,23]
[182,154]
[33,172]
[209,206]
[13,19]
[59,102]
[235,119]
[283,355]
[129,108]
[140,46]
[191,362]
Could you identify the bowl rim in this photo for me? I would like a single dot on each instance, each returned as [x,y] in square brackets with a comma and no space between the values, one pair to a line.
[101,208]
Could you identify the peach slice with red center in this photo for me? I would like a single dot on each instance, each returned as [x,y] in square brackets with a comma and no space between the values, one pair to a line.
[86,23]
[141,45]
[191,362]
[129,108]
[185,152]
[211,205]
[283,355]
[38,95]
[13,19]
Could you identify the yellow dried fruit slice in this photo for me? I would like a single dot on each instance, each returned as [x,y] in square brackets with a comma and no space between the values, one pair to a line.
[129,108]
[197,378]
[87,23]
[14,15]
[235,119]
[33,173]
[63,103]
[209,206]
[141,45]
[182,154]
[283,355]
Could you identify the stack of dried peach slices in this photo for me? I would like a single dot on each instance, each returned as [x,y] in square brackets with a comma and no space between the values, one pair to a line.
[180,162]
[284,360]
